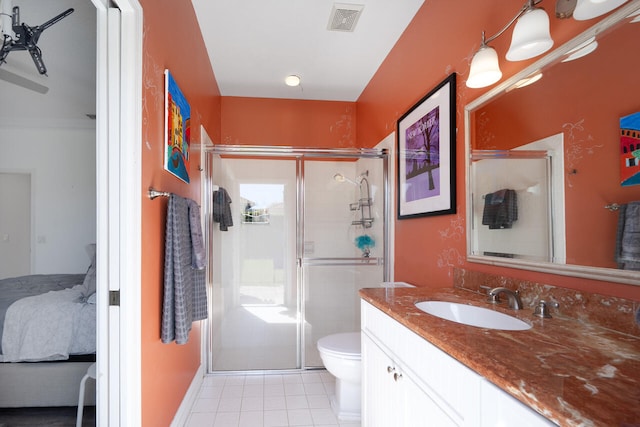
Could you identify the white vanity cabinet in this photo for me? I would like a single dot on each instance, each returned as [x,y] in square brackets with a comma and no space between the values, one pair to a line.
[407,381]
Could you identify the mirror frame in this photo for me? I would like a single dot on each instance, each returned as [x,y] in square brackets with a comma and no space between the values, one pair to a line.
[597,273]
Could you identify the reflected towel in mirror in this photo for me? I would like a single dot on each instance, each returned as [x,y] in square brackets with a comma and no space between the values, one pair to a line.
[628,237]
[500,209]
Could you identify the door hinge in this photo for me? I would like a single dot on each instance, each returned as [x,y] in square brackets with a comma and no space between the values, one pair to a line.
[114,298]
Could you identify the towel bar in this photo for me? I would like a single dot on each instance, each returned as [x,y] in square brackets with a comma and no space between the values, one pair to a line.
[153,193]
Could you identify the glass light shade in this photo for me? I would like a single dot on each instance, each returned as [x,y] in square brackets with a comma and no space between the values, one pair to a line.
[485,69]
[589,9]
[531,36]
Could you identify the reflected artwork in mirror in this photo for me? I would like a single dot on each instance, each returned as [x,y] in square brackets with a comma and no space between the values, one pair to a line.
[576,97]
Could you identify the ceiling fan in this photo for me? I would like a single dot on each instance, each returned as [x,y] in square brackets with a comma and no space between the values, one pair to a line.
[20,36]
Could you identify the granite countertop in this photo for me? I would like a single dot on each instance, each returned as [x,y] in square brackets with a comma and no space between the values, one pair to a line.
[573,373]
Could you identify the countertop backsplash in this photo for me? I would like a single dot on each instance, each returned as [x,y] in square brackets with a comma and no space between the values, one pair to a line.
[617,314]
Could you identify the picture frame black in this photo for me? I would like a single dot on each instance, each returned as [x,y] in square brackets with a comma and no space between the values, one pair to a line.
[426,154]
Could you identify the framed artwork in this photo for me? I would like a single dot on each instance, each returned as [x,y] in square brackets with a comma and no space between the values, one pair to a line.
[630,150]
[426,137]
[177,132]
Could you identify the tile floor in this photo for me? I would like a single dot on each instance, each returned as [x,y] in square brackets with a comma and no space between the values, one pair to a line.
[266,400]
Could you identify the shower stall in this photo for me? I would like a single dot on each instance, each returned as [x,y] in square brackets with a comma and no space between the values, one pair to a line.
[309,230]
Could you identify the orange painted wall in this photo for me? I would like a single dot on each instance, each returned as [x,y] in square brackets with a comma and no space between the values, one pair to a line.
[288,122]
[168,369]
[441,40]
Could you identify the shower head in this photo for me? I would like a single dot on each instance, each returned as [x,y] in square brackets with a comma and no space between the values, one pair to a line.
[341,178]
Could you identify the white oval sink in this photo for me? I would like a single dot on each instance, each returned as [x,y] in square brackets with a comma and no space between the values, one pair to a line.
[472,316]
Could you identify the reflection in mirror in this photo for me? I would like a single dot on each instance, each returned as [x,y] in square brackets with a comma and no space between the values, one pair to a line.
[587,87]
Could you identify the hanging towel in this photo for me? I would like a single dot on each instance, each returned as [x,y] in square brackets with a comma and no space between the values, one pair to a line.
[184,299]
[222,209]
[500,209]
[628,237]
[197,243]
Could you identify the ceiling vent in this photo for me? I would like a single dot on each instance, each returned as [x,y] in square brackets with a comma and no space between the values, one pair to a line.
[344,17]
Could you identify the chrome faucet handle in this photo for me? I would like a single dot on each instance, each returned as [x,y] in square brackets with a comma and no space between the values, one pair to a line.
[513,297]
[542,309]
[492,298]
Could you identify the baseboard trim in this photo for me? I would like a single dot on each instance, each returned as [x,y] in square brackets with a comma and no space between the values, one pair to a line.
[182,415]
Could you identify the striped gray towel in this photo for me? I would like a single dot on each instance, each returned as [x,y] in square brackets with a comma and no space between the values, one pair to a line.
[184,298]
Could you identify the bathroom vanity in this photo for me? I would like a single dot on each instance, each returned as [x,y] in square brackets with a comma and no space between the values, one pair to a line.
[419,369]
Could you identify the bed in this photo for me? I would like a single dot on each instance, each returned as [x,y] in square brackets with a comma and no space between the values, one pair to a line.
[48,325]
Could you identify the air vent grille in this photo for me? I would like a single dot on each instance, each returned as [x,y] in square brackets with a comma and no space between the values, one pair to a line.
[344,17]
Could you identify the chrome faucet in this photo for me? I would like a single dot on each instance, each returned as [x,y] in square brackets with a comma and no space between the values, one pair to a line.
[513,297]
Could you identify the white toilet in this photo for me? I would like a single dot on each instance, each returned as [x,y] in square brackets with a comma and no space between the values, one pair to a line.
[341,355]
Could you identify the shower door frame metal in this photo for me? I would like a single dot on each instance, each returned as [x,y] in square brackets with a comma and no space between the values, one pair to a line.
[300,155]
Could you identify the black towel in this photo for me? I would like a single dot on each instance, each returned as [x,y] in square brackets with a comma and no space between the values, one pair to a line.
[500,209]
[222,209]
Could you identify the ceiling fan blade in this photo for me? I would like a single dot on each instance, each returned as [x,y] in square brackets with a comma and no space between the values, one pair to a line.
[16,79]
[565,8]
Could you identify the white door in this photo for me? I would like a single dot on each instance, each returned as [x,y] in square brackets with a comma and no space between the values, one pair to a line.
[15,224]
[118,132]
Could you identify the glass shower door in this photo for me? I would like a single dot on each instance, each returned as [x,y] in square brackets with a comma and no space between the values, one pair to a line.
[343,247]
[254,294]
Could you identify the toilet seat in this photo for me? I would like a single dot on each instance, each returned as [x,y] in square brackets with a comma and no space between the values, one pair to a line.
[344,345]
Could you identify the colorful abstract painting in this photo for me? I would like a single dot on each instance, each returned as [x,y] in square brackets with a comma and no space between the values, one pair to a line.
[177,129]
[630,150]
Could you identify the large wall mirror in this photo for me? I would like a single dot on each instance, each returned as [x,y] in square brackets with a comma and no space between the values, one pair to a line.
[547,162]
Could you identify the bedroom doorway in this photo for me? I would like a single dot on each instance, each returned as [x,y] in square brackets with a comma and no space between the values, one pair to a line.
[15,224]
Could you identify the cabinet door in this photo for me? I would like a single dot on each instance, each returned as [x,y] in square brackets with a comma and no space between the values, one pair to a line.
[390,397]
[380,399]
[501,409]
[419,410]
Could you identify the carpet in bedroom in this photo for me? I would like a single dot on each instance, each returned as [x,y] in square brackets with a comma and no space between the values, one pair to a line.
[50,417]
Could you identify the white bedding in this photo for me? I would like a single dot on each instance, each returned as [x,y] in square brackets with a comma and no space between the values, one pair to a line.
[49,327]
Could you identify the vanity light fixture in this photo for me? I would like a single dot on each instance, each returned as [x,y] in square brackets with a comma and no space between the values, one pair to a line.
[531,37]
[292,80]
[526,81]
[589,9]
[583,49]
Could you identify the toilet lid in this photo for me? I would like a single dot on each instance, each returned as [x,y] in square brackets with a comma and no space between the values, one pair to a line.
[346,345]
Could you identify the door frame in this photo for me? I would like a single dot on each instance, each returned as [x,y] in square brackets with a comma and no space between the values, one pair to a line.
[119,195]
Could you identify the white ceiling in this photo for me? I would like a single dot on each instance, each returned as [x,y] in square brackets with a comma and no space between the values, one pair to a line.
[69,53]
[254,44]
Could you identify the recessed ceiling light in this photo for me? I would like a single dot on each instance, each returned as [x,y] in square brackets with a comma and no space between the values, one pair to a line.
[292,80]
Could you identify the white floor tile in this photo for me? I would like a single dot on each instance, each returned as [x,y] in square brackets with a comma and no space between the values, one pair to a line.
[273,389]
[230,404]
[276,419]
[274,403]
[299,417]
[227,419]
[266,400]
[297,402]
[293,389]
[205,405]
[200,419]
[250,403]
[251,419]
[253,390]
[319,401]
[314,388]
[232,391]
[323,417]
